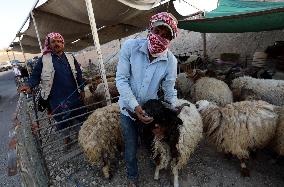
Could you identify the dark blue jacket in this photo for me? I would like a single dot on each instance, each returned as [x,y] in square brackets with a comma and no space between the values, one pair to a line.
[64,86]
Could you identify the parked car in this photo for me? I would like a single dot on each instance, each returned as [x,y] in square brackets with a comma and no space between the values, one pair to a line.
[4,66]
[15,62]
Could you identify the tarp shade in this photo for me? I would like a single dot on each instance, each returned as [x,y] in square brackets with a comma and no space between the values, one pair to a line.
[70,18]
[236,16]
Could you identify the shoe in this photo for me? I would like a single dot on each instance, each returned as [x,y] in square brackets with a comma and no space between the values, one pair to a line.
[132,183]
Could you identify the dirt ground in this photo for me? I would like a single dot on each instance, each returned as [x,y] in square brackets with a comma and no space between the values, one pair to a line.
[205,168]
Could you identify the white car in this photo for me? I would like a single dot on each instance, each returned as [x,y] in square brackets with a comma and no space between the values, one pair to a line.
[4,66]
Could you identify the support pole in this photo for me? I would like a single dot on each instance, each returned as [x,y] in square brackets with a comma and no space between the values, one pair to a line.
[27,18]
[204,47]
[37,33]
[8,56]
[13,55]
[24,55]
[98,47]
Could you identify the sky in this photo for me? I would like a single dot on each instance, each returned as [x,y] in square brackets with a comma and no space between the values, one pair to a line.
[12,15]
[14,12]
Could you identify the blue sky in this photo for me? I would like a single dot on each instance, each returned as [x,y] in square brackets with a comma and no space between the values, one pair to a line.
[12,15]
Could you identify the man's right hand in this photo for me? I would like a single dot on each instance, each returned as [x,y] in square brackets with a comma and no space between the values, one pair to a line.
[141,115]
[25,89]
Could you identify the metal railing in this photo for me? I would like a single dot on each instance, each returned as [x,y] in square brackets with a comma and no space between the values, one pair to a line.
[43,148]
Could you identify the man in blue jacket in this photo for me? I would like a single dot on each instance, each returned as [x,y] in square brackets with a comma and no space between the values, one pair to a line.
[61,81]
[143,66]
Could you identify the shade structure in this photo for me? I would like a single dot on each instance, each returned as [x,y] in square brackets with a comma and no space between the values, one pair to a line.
[237,16]
[115,19]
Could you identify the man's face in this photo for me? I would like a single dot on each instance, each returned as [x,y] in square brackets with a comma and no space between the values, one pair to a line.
[56,45]
[163,31]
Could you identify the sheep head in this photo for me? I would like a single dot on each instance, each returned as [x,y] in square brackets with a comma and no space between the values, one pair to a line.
[165,120]
[165,125]
[202,105]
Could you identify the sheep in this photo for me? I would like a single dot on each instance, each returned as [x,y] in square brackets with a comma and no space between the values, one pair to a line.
[240,127]
[183,85]
[101,137]
[181,132]
[98,96]
[89,99]
[278,142]
[213,90]
[248,88]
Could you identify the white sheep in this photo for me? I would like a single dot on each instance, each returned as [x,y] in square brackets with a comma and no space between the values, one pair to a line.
[184,139]
[97,98]
[99,93]
[269,90]
[183,85]
[101,136]
[211,89]
[278,143]
[239,127]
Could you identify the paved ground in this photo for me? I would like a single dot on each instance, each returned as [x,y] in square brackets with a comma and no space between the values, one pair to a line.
[8,101]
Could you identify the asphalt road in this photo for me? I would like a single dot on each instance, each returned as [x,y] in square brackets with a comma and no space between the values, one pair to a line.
[8,101]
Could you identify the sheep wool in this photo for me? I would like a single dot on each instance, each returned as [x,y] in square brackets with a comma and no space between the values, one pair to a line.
[278,143]
[269,90]
[239,127]
[211,89]
[183,85]
[100,134]
[190,135]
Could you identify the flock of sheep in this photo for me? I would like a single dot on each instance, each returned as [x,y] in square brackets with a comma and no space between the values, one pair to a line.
[236,119]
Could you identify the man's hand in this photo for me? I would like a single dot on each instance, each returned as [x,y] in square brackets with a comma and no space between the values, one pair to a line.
[82,96]
[141,115]
[25,89]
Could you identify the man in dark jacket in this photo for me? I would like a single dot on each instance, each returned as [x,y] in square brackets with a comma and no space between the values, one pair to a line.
[61,82]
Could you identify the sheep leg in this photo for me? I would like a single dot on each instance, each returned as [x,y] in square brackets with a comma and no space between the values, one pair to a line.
[157,173]
[158,167]
[106,167]
[175,172]
[244,170]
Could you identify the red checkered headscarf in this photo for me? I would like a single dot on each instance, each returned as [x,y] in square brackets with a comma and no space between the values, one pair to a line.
[51,35]
[158,45]
[168,19]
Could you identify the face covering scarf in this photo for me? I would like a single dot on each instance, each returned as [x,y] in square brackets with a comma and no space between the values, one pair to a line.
[157,45]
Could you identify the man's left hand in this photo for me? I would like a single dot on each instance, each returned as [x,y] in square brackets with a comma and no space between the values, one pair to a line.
[82,96]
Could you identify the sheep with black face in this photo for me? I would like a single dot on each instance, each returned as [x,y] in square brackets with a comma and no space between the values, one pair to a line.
[177,134]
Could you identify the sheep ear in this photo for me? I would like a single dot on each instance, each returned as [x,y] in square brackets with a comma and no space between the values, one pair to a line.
[179,108]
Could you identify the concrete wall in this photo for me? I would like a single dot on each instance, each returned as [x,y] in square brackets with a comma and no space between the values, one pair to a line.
[243,43]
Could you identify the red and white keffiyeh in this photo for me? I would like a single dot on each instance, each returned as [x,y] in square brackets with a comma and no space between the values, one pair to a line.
[158,45]
[51,35]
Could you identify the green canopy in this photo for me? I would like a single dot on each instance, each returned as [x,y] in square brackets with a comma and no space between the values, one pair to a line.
[235,16]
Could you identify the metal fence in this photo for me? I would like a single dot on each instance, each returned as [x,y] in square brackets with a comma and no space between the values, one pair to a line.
[42,152]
